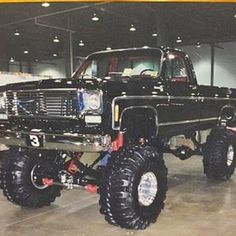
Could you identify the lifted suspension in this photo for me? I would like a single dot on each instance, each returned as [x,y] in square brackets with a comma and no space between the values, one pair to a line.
[75,174]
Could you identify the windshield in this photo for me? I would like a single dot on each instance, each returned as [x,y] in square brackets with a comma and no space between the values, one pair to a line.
[127,64]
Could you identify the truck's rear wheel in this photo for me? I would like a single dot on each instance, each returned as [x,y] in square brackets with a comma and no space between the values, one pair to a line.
[133,193]
[22,175]
[219,156]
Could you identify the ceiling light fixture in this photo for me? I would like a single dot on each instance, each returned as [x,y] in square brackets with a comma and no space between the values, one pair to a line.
[12,60]
[16,33]
[56,39]
[154,34]
[81,43]
[108,48]
[54,54]
[132,28]
[198,44]
[95,17]
[179,40]
[45,4]
[26,51]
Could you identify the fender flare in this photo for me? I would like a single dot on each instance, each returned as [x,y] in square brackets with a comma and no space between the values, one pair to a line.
[227,112]
[154,111]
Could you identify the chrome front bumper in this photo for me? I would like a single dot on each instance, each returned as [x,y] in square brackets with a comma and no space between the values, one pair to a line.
[64,142]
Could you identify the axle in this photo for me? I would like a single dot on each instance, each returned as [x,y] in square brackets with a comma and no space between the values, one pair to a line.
[92,188]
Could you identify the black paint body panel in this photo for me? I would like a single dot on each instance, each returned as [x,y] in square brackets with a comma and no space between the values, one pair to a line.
[178,107]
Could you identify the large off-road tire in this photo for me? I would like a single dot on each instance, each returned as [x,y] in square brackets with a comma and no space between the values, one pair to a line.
[133,187]
[22,175]
[219,154]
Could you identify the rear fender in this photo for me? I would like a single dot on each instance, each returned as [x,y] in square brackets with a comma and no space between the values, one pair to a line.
[227,114]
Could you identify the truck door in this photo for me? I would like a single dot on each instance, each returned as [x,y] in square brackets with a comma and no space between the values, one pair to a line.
[184,109]
[214,98]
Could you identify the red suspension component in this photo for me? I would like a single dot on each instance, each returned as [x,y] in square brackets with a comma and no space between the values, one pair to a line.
[91,188]
[73,166]
[232,129]
[47,181]
[119,142]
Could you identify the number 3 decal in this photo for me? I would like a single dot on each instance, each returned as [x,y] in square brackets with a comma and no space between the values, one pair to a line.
[34,140]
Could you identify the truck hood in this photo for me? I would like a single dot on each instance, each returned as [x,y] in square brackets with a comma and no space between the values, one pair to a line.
[54,83]
[110,87]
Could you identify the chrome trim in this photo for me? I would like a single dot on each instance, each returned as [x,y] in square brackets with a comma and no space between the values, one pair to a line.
[125,97]
[67,142]
[48,106]
[188,121]
[169,98]
[162,57]
[39,90]
[51,117]
[131,97]
[125,49]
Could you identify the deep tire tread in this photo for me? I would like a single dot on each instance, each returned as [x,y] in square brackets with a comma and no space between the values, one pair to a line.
[215,154]
[16,183]
[118,183]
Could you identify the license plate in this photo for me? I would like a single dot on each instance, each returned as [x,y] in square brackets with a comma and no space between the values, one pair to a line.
[34,140]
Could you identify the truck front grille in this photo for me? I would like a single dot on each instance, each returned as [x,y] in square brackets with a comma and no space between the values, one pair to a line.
[53,102]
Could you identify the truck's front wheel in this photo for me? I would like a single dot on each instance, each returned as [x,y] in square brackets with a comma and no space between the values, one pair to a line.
[22,176]
[134,190]
[219,157]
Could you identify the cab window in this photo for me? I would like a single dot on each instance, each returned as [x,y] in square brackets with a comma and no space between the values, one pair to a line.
[175,69]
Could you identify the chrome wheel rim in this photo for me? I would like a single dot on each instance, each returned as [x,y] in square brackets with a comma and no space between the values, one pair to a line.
[230,155]
[147,189]
[35,179]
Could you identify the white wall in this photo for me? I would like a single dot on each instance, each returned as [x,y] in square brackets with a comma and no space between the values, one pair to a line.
[15,67]
[200,58]
[53,68]
[225,64]
[11,78]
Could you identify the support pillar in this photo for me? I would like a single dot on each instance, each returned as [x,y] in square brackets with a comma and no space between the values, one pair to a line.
[212,63]
[69,54]
[20,66]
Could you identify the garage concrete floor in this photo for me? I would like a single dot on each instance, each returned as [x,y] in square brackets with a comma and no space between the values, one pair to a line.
[194,206]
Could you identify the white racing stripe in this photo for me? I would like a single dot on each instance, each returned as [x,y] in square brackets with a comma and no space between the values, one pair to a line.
[188,121]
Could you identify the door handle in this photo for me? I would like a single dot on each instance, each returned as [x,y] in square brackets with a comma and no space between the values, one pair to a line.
[193,87]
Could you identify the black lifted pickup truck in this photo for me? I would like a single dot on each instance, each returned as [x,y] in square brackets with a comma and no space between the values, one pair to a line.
[124,105]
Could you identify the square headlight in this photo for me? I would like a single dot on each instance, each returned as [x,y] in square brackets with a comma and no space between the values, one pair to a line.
[90,101]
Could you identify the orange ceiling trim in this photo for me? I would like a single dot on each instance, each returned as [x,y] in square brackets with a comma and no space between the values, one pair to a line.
[90,1]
